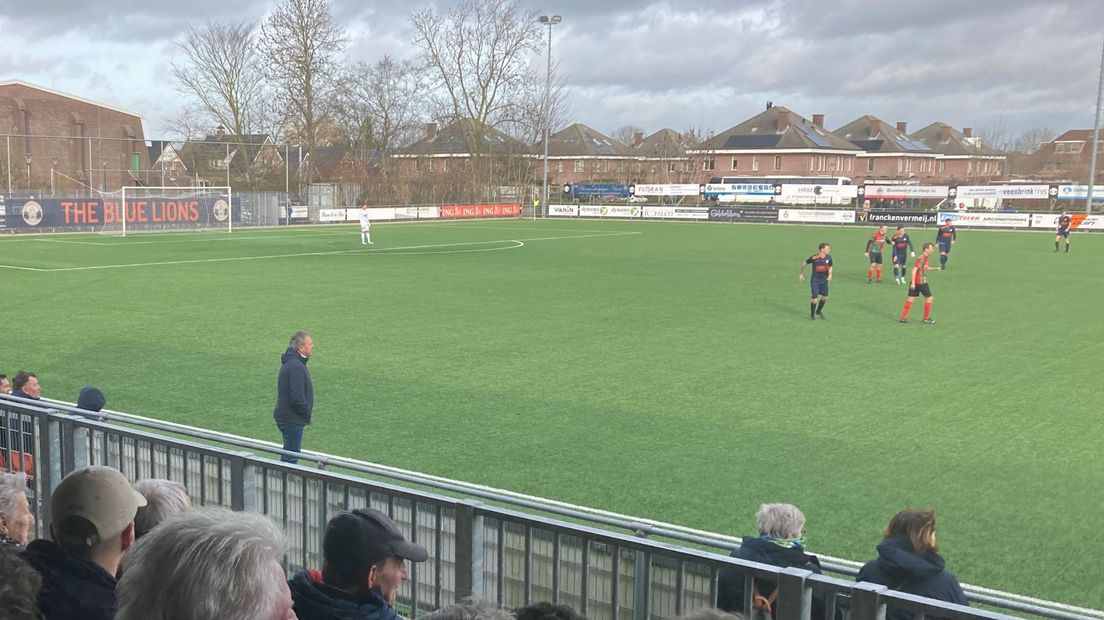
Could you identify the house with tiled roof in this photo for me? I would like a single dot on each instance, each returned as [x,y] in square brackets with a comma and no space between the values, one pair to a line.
[776,142]
[962,157]
[663,157]
[887,151]
[580,154]
[1068,157]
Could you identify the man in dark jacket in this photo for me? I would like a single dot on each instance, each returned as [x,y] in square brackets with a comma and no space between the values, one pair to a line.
[909,561]
[780,543]
[364,562]
[25,385]
[93,526]
[294,394]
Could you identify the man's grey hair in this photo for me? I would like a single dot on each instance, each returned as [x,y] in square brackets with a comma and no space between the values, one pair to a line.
[298,339]
[780,520]
[11,485]
[469,609]
[202,564]
[163,498]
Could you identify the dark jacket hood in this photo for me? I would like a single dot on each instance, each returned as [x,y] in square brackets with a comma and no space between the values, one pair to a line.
[292,354]
[91,399]
[317,601]
[765,552]
[72,586]
[897,560]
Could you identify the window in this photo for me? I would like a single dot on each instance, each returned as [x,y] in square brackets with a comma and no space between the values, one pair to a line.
[735,164]
[870,164]
[578,165]
[417,164]
[755,164]
[710,163]
[670,166]
[687,167]
[429,165]
[1068,147]
[942,166]
[444,165]
[559,166]
[777,163]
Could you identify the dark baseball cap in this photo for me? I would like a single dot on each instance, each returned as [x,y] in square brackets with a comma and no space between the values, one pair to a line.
[356,540]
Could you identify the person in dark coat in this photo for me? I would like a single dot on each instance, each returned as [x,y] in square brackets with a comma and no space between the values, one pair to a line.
[25,385]
[294,394]
[909,561]
[93,526]
[781,542]
[91,399]
[364,562]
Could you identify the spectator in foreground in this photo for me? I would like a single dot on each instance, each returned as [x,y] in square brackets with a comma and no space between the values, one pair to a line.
[363,564]
[546,611]
[5,384]
[207,564]
[781,542]
[16,518]
[19,587]
[164,498]
[480,609]
[294,394]
[25,385]
[909,561]
[93,526]
[91,399]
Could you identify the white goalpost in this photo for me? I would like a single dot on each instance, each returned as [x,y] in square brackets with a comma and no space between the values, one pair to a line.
[151,209]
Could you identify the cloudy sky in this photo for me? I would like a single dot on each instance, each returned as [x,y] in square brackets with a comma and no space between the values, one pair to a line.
[1000,66]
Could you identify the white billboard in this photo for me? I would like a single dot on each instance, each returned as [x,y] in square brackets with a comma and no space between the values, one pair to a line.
[906,191]
[1003,192]
[563,210]
[1000,220]
[609,211]
[1079,192]
[1078,221]
[672,189]
[677,213]
[827,216]
[810,193]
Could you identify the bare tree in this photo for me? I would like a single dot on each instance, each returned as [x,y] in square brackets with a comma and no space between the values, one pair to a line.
[479,54]
[995,134]
[1030,140]
[380,106]
[190,122]
[626,133]
[302,42]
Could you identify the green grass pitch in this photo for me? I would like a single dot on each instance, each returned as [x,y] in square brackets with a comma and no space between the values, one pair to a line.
[658,369]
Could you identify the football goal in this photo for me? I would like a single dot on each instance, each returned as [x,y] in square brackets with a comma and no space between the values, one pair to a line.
[143,209]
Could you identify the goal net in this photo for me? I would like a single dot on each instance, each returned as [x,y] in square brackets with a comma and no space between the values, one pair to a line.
[138,209]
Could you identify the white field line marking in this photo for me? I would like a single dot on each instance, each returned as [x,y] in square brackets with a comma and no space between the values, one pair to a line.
[115,244]
[331,253]
[23,268]
[40,240]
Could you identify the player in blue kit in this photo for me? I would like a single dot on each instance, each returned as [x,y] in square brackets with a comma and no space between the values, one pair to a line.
[945,237]
[1063,230]
[822,275]
[901,244]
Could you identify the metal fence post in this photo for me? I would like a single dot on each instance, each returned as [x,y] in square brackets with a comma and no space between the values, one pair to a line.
[795,599]
[866,602]
[243,483]
[469,550]
[640,579]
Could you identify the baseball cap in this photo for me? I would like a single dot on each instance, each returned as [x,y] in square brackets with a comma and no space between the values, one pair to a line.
[100,495]
[356,540]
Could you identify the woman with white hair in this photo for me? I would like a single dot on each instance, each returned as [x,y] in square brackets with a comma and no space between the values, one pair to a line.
[781,542]
[16,518]
[164,498]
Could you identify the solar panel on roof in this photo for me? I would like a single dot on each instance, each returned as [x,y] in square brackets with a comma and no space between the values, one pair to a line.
[751,142]
[914,145]
[812,135]
[869,145]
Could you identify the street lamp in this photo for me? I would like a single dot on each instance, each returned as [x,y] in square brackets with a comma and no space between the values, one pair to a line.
[52,169]
[28,158]
[547,21]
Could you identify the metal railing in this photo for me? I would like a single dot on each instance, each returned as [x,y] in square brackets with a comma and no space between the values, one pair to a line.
[480,542]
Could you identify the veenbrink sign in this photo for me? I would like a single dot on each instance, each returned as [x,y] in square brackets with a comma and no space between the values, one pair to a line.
[77,212]
[1004,192]
[896,217]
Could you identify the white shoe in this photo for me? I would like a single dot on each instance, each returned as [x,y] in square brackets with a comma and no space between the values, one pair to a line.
[370,243]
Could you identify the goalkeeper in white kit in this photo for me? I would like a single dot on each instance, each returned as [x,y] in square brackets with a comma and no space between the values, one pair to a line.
[365,226]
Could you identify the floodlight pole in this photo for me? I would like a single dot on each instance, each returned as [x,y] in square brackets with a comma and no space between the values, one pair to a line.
[547,21]
[1096,135]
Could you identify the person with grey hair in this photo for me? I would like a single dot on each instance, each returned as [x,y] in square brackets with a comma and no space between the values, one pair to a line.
[207,563]
[16,518]
[163,498]
[294,394]
[781,542]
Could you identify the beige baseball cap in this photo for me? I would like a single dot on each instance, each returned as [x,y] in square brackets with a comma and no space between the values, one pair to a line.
[102,496]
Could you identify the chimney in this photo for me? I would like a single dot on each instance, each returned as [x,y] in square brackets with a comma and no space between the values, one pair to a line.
[783,121]
[946,136]
[431,131]
[770,104]
[968,132]
[818,121]
[902,127]
[638,138]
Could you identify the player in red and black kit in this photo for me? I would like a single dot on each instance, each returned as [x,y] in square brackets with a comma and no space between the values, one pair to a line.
[901,244]
[874,247]
[918,285]
[945,237]
[1063,230]
[822,275]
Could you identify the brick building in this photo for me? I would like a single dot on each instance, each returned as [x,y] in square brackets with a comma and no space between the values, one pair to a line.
[580,154]
[887,151]
[77,145]
[663,158]
[1067,157]
[962,157]
[776,142]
